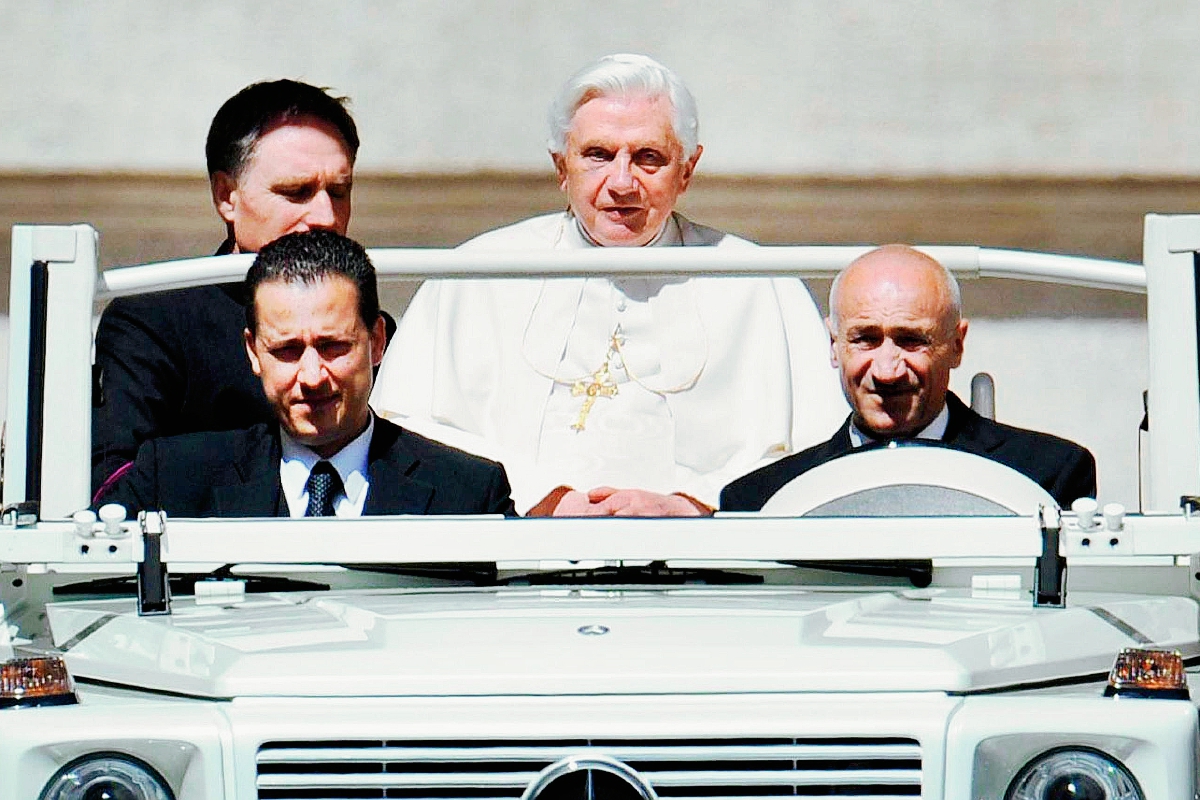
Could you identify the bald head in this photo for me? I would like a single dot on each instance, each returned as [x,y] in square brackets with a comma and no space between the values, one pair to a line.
[896,332]
[897,265]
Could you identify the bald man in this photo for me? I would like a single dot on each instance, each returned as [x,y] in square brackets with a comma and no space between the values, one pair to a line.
[896,332]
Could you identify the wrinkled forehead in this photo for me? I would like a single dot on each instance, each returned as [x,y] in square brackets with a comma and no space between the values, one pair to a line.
[909,300]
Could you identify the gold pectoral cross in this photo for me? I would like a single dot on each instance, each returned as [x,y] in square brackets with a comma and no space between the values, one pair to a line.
[600,385]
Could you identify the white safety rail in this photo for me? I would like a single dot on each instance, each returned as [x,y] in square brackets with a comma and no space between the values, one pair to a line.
[811,262]
[381,540]
[400,540]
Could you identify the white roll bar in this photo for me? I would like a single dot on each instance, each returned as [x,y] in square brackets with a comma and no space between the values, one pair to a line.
[810,262]
[1174,393]
[1069,270]
[48,424]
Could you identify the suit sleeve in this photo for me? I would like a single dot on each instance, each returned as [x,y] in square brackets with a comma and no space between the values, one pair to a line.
[140,379]
[751,492]
[1076,479]
[499,494]
[734,497]
[135,485]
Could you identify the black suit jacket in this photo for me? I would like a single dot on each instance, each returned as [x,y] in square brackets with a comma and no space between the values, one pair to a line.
[1064,469]
[169,363]
[236,474]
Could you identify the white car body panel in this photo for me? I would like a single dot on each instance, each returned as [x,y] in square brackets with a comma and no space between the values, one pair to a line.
[689,641]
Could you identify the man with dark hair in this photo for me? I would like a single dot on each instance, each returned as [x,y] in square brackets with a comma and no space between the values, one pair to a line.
[313,336]
[280,160]
[309,259]
[245,118]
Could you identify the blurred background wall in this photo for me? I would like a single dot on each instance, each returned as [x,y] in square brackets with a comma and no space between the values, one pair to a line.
[1009,123]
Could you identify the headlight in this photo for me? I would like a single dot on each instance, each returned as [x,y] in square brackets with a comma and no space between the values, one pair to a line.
[1074,775]
[107,776]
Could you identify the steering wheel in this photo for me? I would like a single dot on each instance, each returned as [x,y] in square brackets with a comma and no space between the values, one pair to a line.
[909,479]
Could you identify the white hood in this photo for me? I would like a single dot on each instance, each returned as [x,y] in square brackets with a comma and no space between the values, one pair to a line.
[599,641]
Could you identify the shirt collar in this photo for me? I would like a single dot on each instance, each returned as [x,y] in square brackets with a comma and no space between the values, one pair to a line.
[350,463]
[934,430]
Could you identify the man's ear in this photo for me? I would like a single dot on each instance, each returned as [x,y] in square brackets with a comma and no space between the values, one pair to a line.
[378,341]
[225,195]
[960,337]
[689,169]
[560,169]
[833,359]
[248,338]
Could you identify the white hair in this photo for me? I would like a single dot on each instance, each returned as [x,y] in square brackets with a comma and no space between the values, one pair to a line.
[624,75]
[948,281]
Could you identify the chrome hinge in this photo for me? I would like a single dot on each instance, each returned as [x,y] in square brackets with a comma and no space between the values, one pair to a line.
[154,588]
[1050,571]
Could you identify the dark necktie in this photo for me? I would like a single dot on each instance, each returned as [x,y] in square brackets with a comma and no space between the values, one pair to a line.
[324,484]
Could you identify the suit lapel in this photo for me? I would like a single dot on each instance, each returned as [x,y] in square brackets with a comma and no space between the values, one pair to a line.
[253,489]
[389,468]
[837,445]
[968,431]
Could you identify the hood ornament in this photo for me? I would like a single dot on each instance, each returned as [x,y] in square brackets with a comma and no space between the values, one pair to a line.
[593,630]
[589,777]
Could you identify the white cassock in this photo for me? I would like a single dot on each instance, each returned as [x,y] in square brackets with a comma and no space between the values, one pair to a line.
[713,377]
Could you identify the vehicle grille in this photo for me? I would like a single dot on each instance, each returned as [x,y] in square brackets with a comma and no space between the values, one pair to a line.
[715,769]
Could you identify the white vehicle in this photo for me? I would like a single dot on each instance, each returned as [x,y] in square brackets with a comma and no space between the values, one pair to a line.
[1011,652]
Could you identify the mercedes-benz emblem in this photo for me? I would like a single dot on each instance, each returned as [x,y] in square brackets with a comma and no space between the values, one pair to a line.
[589,777]
[593,630]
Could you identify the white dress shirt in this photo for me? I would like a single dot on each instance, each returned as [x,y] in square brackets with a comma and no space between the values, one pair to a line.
[934,430]
[350,463]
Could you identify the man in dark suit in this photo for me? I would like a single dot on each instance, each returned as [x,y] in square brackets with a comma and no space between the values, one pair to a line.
[280,159]
[313,336]
[896,332]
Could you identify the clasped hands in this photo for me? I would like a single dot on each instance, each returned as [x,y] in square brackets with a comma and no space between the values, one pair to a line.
[606,501]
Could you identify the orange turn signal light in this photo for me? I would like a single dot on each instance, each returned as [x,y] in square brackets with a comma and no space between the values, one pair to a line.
[1144,672]
[35,682]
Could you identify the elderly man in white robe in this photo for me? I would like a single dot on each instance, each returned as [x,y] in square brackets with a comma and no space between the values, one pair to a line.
[615,396]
